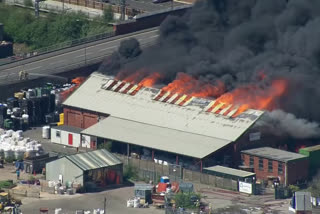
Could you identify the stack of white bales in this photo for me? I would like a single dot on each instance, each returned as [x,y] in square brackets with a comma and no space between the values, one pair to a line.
[14,146]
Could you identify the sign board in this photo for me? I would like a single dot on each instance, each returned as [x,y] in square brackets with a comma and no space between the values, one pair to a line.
[245,187]
[254,136]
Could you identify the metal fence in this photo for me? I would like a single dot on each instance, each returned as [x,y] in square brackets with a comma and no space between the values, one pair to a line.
[57,47]
[148,170]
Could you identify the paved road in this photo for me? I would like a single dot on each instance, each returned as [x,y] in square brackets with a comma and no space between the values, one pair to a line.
[48,64]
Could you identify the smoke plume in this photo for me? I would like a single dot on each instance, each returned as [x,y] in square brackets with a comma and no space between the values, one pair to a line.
[232,42]
[281,123]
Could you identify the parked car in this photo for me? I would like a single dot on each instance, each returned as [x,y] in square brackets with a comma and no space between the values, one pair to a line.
[159,1]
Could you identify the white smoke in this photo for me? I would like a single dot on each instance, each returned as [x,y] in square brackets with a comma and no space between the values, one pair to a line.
[282,123]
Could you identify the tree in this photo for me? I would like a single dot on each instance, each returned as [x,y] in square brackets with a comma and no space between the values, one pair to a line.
[27,3]
[108,14]
[187,200]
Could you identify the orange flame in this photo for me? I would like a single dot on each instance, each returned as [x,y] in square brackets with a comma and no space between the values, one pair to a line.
[254,97]
[150,80]
[77,81]
[185,84]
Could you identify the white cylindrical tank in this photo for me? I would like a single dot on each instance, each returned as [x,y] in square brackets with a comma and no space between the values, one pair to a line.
[46,132]
[25,118]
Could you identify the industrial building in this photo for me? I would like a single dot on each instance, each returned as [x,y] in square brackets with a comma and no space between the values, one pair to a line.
[98,168]
[271,164]
[176,128]
[66,135]
[313,153]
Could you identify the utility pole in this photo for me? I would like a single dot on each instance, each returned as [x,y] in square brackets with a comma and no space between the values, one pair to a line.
[123,9]
[105,205]
[36,8]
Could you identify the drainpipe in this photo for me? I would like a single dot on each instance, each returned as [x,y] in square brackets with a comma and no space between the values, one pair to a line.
[285,174]
[128,152]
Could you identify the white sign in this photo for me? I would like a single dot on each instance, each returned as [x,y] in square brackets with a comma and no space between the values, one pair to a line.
[254,136]
[245,187]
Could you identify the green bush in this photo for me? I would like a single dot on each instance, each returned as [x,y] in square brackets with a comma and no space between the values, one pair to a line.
[27,3]
[130,173]
[6,184]
[187,200]
[21,26]
[108,14]
[293,188]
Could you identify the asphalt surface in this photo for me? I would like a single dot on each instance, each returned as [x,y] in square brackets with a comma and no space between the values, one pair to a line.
[116,202]
[57,62]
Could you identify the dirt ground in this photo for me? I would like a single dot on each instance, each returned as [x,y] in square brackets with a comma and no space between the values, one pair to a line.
[9,173]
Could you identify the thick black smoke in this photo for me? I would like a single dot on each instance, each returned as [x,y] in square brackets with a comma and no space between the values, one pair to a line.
[234,40]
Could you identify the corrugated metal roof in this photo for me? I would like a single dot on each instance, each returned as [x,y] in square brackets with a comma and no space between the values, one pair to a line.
[94,160]
[67,128]
[170,140]
[141,107]
[274,154]
[230,171]
[311,148]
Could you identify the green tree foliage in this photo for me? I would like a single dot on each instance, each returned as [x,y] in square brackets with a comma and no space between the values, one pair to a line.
[314,186]
[108,14]
[22,27]
[130,173]
[187,200]
[27,3]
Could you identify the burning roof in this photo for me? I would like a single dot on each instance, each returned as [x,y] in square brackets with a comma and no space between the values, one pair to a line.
[161,108]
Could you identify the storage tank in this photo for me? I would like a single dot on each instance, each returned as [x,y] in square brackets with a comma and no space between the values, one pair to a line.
[1,32]
[46,132]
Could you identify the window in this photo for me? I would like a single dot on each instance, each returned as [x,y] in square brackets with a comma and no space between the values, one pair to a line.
[251,163]
[280,168]
[58,134]
[260,164]
[270,167]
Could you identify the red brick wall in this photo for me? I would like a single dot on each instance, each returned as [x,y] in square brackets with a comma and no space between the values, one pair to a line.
[296,170]
[263,174]
[79,118]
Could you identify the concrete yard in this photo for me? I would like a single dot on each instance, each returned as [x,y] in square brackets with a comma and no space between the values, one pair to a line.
[116,202]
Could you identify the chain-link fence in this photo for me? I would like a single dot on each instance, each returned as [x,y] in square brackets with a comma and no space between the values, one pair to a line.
[148,170]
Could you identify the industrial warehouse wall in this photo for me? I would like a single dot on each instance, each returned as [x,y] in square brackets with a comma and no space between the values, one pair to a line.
[148,170]
[64,138]
[147,20]
[66,168]
[81,119]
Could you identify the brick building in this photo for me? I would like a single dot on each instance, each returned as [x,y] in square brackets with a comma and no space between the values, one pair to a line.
[81,118]
[269,164]
[159,125]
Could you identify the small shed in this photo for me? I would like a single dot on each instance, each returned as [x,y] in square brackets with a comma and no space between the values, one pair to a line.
[230,173]
[91,170]
[313,152]
[66,135]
